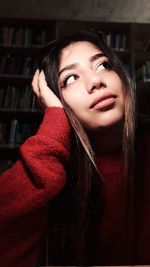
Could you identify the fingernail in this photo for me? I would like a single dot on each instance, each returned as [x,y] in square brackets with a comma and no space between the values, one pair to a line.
[37,71]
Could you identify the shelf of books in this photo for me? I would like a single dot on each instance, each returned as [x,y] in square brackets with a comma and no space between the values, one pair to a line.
[117,35]
[141,55]
[20,44]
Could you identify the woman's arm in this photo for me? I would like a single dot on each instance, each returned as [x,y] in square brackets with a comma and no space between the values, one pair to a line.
[40,173]
[27,188]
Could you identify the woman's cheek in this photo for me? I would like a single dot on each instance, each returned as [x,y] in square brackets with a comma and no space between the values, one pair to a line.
[73,95]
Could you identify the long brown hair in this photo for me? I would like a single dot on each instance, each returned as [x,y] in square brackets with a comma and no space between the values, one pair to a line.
[79,198]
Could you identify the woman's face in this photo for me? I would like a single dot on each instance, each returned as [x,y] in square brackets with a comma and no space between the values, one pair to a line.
[89,86]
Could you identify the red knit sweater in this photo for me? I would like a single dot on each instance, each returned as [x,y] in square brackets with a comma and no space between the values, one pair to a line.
[39,175]
[27,188]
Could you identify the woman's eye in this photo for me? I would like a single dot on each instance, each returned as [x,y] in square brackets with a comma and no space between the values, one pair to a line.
[69,80]
[104,66]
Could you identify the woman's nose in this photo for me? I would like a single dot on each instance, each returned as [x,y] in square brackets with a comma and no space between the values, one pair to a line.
[95,81]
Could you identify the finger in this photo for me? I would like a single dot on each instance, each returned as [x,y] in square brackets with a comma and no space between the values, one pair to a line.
[42,81]
[47,96]
[35,83]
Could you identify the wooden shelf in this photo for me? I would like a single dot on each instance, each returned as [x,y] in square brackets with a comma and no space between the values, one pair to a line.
[21,50]
[15,79]
[25,115]
[141,58]
[144,87]
[145,117]
[145,121]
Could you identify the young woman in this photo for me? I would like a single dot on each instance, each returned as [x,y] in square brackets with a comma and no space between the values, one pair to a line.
[79,177]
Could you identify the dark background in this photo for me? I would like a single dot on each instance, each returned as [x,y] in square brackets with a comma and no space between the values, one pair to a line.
[95,10]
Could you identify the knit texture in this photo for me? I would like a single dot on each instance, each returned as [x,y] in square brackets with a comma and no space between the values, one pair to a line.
[27,188]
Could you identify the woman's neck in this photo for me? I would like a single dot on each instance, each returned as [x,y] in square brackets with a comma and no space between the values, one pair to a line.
[106,141]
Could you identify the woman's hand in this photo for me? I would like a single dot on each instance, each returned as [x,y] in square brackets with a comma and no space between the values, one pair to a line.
[45,95]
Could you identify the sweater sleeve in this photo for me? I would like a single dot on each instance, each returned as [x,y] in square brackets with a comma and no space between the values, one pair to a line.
[40,173]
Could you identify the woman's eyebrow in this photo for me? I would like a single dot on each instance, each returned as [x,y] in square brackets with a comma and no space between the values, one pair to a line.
[99,55]
[74,65]
[69,67]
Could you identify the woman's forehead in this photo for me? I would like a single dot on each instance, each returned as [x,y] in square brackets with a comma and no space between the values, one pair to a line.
[76,50]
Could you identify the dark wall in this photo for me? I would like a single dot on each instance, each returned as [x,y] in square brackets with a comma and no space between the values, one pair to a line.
[95,10]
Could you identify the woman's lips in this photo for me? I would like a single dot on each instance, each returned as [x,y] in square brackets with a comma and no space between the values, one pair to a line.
[103,102]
